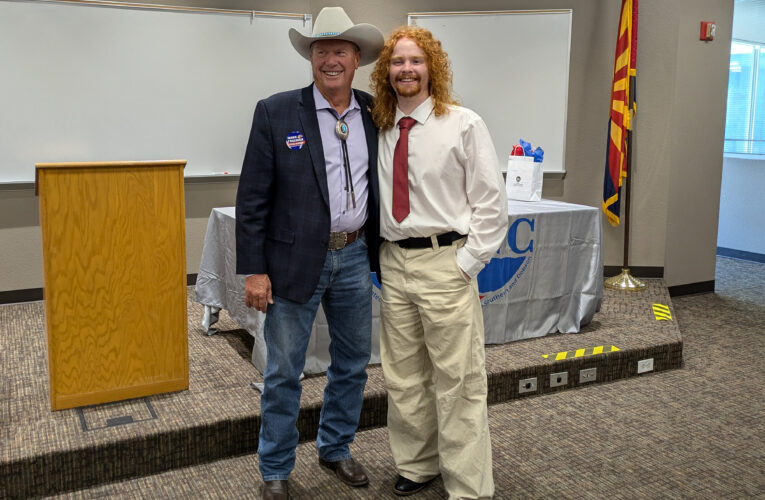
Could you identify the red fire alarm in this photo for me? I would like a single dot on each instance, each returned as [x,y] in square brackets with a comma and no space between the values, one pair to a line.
[707,31]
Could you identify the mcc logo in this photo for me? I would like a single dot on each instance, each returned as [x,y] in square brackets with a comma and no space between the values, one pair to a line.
[502,273]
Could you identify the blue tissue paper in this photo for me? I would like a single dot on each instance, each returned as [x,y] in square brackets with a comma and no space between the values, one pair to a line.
[538,153]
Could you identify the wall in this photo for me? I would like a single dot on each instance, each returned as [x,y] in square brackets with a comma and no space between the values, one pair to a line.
[742,206]
[682,82]
[697,131]
[20,240]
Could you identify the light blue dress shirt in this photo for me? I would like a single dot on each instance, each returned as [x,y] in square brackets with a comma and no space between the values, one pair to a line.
[343,218]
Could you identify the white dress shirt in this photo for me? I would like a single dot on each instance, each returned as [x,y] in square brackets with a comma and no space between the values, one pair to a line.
[454,183]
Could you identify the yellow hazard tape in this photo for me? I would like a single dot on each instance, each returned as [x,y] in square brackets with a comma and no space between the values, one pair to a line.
[661,312]
[587,351]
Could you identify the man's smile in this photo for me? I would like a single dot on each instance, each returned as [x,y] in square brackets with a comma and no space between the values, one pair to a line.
[407,79]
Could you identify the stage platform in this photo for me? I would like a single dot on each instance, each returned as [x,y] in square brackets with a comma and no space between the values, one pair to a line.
[46,452]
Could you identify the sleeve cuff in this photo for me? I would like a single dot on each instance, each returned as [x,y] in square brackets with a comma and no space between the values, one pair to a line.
[468,263]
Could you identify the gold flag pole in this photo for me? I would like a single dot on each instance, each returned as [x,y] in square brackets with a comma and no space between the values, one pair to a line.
[625,281]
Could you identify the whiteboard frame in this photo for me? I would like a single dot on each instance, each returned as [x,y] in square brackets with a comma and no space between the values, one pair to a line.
[550,171]
[162,7]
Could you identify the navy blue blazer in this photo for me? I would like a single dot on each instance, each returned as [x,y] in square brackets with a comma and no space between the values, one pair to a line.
[282,202]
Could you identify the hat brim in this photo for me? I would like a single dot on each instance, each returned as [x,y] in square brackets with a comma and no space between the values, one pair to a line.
[368,38]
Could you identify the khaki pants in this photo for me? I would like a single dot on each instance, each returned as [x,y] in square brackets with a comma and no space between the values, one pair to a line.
[431,345]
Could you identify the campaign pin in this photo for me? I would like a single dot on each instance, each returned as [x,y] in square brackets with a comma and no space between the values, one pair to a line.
[295,140]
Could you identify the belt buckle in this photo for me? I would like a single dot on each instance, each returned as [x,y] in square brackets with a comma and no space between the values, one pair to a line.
[337,241]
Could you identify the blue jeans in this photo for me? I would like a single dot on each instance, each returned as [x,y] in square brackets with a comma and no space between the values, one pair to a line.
[345,292]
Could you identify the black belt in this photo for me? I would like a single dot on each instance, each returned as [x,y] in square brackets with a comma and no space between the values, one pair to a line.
[445,239]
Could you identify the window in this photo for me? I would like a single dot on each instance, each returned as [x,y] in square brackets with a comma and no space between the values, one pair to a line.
[745,118]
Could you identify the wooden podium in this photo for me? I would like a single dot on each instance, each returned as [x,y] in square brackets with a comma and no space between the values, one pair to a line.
[114,263]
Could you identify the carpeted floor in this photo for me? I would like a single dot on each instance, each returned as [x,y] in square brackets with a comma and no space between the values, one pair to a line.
[696,432]
[218,417]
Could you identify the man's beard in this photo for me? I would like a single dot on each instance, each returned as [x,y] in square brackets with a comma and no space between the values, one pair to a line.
[408,90]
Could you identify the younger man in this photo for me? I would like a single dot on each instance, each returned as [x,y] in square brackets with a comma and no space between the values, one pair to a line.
[443,214]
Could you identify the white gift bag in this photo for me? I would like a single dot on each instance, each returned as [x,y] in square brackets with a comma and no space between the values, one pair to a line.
[524,179]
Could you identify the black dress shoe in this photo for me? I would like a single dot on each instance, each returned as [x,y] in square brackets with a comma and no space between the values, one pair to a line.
[348,471]
[405,487]
[275,490]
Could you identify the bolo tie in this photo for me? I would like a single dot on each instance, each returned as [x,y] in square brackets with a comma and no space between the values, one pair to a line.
[341,131]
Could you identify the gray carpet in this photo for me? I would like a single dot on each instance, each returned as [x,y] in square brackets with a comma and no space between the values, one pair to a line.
[218,417]
[697,432]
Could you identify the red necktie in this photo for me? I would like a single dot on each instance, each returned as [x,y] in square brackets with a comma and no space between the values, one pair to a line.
[401,170]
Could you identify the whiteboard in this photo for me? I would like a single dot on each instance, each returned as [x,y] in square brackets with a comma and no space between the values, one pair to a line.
[511,67]
[95,83]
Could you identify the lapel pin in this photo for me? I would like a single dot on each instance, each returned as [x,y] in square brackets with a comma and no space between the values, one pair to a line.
[295,140]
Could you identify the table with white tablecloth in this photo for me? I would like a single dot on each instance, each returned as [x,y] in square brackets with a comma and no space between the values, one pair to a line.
[547,277]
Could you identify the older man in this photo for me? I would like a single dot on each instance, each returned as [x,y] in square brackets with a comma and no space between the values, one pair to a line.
[306,233]
[443,214]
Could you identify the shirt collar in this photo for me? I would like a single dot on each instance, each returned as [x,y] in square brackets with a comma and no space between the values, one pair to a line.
[420,113]
[323,103]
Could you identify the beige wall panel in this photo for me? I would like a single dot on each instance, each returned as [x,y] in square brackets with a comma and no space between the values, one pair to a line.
[662,96]
[20,243]
[20,258]
[115,296]
[652,139]
[698,130]
[593,40]
[195,240]
[201,198]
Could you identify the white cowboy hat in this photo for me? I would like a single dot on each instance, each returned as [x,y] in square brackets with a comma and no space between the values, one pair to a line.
[333,23]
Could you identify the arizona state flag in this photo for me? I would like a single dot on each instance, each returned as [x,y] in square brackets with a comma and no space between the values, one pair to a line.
[622,109]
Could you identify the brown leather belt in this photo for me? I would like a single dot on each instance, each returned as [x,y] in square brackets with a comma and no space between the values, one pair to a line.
[338,241]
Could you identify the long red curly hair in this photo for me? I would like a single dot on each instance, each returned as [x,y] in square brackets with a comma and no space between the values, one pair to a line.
[439,73]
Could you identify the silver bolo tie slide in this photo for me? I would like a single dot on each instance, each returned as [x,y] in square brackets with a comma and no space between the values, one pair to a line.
[341,131]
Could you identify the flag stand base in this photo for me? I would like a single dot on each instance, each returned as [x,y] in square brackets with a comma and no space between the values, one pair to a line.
[625,282]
